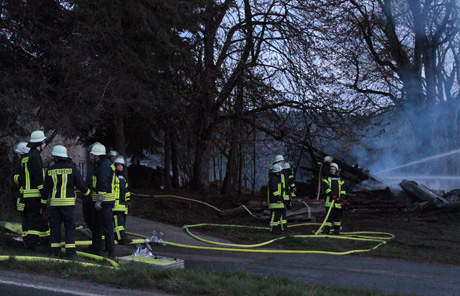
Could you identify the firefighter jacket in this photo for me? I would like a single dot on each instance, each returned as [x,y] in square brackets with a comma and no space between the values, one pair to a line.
[104,180]
[334,188]
[32,174]
[60,182]
[290,177]
[275,192]
[286,187]
[122,194]
[16,174]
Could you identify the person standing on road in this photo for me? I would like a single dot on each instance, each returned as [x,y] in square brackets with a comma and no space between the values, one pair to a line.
[60,181]
[335,198]
[122,201]
[275,200]
[36,231]
[103,199]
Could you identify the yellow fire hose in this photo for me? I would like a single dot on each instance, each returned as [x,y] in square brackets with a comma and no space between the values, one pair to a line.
[379,237]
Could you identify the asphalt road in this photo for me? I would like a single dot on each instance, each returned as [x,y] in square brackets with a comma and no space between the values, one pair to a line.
[386,275]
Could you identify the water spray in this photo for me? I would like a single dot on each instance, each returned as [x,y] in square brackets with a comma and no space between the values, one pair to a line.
[421,161]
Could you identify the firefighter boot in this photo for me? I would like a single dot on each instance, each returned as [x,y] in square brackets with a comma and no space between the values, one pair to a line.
[276,230]
[337,230]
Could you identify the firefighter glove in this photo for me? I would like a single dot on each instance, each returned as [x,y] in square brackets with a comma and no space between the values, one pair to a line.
[100,199]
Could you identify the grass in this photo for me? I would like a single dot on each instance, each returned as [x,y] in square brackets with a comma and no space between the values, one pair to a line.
[182,282]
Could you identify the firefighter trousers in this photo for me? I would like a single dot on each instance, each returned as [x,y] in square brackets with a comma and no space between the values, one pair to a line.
[103,226]
[36,231]
[119,220]
[58,216]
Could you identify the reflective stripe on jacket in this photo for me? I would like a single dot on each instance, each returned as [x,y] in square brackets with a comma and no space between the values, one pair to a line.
[60,182]
[30,182]
[121,195]
[275,192]
[104,180]
[333,187]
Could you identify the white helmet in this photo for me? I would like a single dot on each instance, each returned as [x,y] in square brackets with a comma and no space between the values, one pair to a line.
[287,165]
[120,160]
[22,148]
[37,137]
[278,158]
[328,158]
[334,165]
[276,168]
[59,151]
[98,149]
[113,153]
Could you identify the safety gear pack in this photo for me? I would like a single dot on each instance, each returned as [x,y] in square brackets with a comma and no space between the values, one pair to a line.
[278,158]
[37,137]
[334,165]
[328,159]
[22,148]
[59,151]
[98,149]
[276,168]
[119,160]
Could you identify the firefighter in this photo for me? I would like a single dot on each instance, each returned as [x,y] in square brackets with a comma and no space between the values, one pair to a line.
[335,193]
[87,200]
[289,171]
[275,199]
[122,201]
[60,181]
[324,173]
[279,160]
[20,151]
[103,200]
[36,231]
[113,155]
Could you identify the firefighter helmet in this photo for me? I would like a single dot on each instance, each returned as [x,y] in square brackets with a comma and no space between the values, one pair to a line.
[278,158]
[59,151]
[287,165]
[98,149]
[22,148]
[276,168]
[37,137]
[334,165]
[119,160]
[113,153]
[328,159]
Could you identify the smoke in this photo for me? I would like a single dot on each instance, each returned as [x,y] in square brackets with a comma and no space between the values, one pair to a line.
[422,147]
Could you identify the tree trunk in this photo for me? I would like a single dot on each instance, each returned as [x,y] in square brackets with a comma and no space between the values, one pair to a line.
[200,176]
[228,186]
[174,158]
[167,160]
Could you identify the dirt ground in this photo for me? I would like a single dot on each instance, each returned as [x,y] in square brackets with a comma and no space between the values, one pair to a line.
[432,234]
